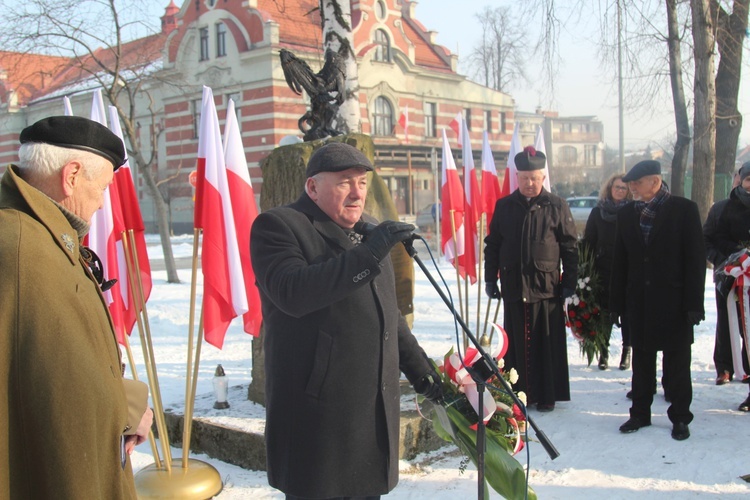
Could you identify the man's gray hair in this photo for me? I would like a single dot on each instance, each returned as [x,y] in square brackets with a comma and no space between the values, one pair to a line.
[40,160]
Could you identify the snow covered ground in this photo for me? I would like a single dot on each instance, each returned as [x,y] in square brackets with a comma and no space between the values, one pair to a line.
[596,460]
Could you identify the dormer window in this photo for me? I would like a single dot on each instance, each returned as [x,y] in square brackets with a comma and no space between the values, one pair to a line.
[383,49]
[380,10]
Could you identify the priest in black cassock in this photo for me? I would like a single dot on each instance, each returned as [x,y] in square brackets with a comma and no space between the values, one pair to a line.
[531,233]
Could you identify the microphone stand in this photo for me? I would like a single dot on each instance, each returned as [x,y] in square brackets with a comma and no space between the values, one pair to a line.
[480,371]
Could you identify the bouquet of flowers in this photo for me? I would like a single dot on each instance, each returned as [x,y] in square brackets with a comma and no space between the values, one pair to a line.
[505,422]
[585,317]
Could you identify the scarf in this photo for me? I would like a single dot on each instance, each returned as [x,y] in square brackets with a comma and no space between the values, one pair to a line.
[649,209]
[608,209]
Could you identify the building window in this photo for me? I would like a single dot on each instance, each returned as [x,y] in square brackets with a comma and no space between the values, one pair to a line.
[429,110]
[196,104]
[382,117]
[383,49]
[589,152]
[503,123]
[380,10]
[204,43]
[221,39]
[568,156]
[467,118]
[488,121]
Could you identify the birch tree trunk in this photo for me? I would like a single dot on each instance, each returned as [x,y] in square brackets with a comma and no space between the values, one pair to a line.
[338,37]
[704,124]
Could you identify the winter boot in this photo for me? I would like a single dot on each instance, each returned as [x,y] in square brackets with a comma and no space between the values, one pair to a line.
[603,359]
[625,358]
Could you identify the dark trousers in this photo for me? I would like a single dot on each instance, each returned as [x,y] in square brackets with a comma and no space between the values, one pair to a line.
[676,380]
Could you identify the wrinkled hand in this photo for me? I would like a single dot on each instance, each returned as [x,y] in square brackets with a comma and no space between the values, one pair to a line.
[492,290]
[694,317]
[385,236]
[567,292]
[430,386]
[141,433]
[614,318]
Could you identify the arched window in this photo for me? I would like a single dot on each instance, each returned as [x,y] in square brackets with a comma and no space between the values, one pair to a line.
[383,49]
[380,10]
[568,156]
[382,117]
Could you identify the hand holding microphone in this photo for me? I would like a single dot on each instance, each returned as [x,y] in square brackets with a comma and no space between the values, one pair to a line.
[381,238]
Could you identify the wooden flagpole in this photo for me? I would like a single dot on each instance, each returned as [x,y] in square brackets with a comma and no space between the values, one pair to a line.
[458,273]
[190,403]
[191,329]
[479,271]
[131,360]
[136,287]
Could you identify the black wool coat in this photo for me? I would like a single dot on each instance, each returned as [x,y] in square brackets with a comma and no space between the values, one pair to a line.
[657,284]
[732,230]
[599,237]
[334,345]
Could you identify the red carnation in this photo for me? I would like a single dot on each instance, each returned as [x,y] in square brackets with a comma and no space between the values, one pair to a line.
[572,313]
[596,310]
[581,304]
[578,324]
[593,334]
[586,315]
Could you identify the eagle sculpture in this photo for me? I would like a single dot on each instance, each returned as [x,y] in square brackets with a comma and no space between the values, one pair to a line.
[325,88]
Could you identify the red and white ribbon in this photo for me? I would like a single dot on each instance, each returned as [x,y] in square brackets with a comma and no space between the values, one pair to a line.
[739,296]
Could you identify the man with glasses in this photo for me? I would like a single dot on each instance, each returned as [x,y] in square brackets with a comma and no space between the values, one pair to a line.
[658,277]
[68,419]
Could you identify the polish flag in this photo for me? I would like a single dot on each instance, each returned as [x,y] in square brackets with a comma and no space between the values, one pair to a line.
[490,184]
[539,146]
[452,201]
[132,220]
[105,224]
[455,125]
[245,211]
[403,120]
[67,107]
[467,263]
[510,182]
[223,287]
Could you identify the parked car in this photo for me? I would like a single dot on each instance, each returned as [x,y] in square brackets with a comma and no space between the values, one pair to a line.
[427,217]
[580,207]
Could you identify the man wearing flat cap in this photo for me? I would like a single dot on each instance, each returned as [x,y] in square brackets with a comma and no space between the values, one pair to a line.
[658,277]
[68,419]
[730,236]
[531,234]
[335,341]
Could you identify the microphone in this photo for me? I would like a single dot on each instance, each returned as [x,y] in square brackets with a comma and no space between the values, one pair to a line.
[364,228]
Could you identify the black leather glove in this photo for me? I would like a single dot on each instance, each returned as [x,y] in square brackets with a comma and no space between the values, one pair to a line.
[567,292]
[385,236]
[694,317]
[430,386]
[492,290]
[614,318]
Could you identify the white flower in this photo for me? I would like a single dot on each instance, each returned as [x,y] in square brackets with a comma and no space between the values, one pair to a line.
[513,376]
[522,397]
[500,363]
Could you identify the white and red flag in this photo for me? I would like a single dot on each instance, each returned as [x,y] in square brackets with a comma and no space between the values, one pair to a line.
[403,120]
[132,220]
[68,109]
[510,182]
[245,211]
[103,241]
[455,125]
[490,184]
[452,207]
[223,287]
[539,146]
[467,263]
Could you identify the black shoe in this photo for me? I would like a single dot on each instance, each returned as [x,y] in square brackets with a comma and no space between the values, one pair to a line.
[680,431]
[625,358]
[603,359]
[723,378]
[745,405]
[632,425]
[545,407]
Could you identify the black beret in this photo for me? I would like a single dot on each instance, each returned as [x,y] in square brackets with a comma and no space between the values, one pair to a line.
[530,159]
[642,169]
[335,157]
[76,132]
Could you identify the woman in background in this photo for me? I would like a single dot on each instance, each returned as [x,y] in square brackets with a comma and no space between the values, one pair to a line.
[599,236]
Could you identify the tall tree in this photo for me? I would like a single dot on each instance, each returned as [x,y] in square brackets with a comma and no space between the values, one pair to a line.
[336,16]
[499,57]
[682,122]
[92,34]
[704,106]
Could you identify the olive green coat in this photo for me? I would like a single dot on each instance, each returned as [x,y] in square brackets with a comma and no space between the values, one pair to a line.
[63,407]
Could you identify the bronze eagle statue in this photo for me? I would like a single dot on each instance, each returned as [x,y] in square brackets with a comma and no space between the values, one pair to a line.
[326,90]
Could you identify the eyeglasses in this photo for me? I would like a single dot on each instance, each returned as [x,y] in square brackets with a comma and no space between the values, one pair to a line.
[97,268]
[620,188]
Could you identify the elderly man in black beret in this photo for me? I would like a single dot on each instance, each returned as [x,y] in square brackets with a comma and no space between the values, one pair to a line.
[531,233]
[68,419]
[658,277]
[334,338]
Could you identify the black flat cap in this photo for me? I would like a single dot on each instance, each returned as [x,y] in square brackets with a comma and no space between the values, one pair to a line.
[530,159]
[642,169]
[76,132]
[335,157]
